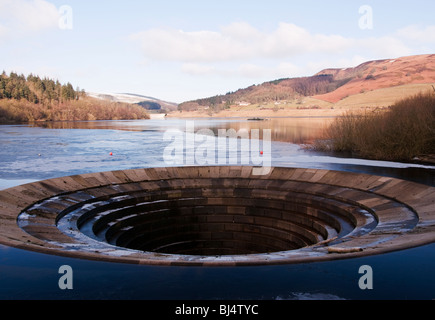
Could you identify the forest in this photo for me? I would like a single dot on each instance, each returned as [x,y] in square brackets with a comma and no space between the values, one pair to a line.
[36,90]
[28,99]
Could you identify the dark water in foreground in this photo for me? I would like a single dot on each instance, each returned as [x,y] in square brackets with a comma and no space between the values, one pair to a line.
[35,153]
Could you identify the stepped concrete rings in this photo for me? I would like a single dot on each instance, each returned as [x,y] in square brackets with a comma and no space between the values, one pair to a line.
[217,216]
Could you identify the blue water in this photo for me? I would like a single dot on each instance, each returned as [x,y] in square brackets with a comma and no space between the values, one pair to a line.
[35,153]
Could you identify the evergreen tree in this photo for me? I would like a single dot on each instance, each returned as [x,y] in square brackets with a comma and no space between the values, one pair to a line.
[68,92]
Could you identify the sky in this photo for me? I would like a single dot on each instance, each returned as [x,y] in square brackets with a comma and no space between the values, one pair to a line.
[178,50]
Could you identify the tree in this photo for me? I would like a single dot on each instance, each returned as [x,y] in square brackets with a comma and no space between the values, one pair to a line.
[68,92]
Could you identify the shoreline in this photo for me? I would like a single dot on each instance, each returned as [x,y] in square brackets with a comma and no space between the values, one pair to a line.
[260,113]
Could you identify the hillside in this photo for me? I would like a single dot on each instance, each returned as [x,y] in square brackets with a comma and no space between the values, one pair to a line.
[372,84]
[381,74]
[149,103]
[28,99]
[277,90]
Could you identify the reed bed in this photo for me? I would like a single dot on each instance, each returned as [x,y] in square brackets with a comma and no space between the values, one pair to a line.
[400,133]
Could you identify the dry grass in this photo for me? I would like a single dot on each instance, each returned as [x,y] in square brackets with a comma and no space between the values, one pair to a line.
[405,130]
[382,97]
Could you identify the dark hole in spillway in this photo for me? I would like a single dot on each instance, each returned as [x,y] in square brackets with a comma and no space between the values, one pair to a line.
[217,220]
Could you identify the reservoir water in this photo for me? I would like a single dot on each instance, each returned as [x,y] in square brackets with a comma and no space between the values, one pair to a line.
[31,153]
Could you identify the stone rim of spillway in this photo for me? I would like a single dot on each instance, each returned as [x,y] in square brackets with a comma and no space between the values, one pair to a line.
[289,215]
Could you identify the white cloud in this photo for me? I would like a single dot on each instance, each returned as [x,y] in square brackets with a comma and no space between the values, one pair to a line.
[237,41]
[242,41]
[241,31]
[239,49]
[178,45]
[27,16]
[290,40]
[417,33]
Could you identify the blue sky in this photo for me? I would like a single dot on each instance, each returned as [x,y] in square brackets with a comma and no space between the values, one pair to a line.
[182,50]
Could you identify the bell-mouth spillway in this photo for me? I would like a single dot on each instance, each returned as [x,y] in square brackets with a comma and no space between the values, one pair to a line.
[217,216]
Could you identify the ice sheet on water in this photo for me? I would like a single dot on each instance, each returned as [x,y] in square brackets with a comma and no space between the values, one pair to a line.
[38,154]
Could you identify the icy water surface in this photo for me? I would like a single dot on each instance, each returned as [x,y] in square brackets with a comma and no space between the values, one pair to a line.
[31,153]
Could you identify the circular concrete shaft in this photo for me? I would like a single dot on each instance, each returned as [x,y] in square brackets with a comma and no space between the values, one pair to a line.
[217,216]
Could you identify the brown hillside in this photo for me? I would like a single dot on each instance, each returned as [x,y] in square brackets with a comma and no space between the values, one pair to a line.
[381,74]
[330,86]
